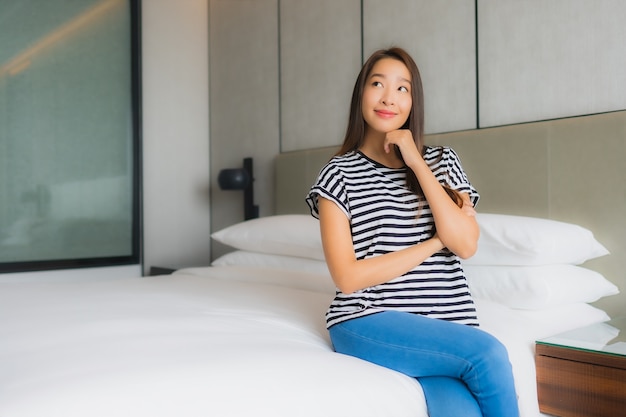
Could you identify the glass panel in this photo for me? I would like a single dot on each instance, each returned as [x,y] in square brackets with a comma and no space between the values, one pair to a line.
[607,337]
[66,132]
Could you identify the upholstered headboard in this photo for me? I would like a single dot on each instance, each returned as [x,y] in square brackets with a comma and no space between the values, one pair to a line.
[571,170]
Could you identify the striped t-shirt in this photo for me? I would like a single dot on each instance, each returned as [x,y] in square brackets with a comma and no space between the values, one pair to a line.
[385,217]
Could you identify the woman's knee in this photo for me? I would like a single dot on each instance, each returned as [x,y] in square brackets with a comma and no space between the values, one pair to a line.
[497,350]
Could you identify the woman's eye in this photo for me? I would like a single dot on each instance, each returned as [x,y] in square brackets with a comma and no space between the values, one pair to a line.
[377,84]
[404,89]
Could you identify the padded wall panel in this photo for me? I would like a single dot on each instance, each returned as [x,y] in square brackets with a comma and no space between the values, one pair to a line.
[507,165]
[296,172]
[320,56]
[587,187]
[440,35]
[542,60]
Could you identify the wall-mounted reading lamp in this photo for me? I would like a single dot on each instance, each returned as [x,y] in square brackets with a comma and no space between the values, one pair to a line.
[241,179]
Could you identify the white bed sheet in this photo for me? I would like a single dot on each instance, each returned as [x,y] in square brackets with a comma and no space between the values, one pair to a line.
[204,342]
[185,346]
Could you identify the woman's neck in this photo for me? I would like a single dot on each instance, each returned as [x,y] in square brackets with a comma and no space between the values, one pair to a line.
[373,148]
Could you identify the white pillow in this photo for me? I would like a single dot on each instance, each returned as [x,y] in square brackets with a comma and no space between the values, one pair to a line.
[518,240]
[512,325]
[287,234]
[537,287]
[267,260]
[504,239]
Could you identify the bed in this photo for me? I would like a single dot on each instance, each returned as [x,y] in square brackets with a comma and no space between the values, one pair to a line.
[246,334]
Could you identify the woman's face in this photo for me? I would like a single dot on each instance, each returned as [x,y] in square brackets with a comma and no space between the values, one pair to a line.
[387,99]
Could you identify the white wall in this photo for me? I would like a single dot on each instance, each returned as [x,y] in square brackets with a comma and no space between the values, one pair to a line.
[175,133]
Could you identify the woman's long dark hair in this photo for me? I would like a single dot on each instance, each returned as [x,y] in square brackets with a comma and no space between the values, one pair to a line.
[355,133]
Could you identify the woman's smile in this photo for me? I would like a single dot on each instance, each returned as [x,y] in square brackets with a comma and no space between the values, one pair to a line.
[385,114]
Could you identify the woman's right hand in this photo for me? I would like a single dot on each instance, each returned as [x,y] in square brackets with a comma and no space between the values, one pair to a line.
[403,139]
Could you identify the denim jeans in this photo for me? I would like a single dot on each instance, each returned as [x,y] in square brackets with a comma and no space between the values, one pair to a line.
[463,370]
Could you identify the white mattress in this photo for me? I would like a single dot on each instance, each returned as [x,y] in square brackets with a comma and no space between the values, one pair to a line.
[204,342]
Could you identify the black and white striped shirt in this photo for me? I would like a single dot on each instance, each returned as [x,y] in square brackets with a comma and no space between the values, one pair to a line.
[384,217]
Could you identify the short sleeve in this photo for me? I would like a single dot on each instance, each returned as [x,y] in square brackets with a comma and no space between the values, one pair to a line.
[457,179]
[331,185]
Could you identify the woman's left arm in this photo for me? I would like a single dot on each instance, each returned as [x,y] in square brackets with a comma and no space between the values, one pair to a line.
[456,226]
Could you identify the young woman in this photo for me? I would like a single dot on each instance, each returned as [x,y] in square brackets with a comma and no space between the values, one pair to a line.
[395,217]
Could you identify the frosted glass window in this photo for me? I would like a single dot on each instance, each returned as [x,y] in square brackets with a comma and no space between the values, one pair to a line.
[68,134]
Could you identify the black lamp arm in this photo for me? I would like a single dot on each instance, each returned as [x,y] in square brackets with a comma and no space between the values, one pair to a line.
[251,211]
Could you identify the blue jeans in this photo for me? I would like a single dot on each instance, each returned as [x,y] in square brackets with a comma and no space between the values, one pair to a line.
[463,370]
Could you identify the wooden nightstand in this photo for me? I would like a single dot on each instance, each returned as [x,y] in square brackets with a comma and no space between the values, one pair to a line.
[582,373]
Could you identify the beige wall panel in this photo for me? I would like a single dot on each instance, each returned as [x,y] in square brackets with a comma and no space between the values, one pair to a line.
[320,56]
[244,102]
[587,187]
[542,59]
[520,166]
[303,168]
[440,35]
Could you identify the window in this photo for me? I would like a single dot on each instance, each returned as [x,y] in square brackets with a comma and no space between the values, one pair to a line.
[69,133]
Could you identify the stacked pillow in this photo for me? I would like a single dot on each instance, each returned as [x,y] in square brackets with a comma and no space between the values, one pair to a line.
[290,241]
[521,262]
[532,263]
[289,235]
